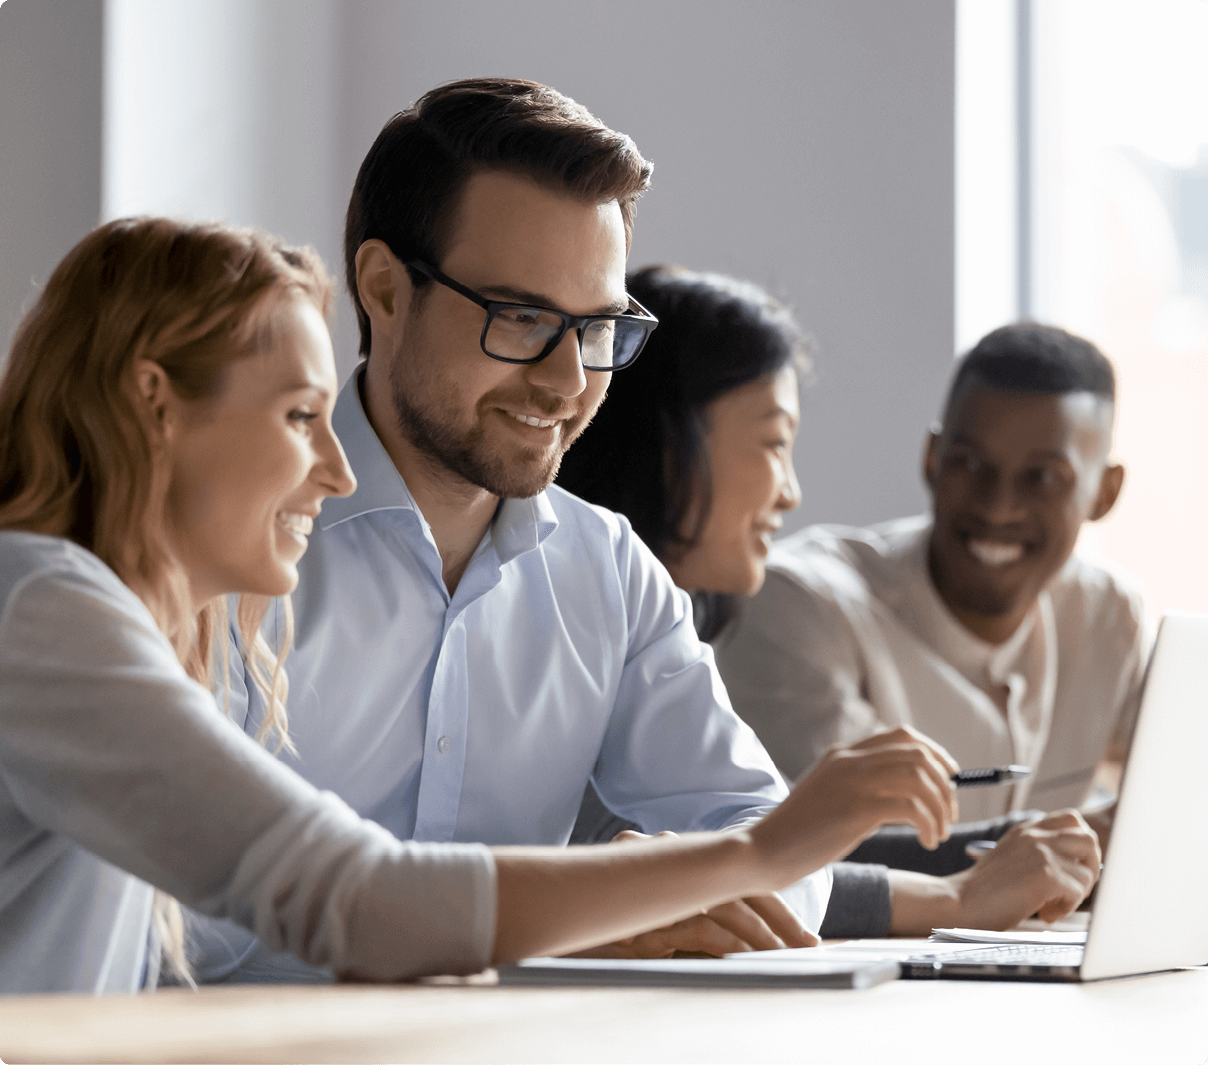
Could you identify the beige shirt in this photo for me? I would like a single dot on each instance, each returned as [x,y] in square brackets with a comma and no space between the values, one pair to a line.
[848,635]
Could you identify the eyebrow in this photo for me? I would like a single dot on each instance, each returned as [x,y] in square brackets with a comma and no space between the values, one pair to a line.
[1043,453]
[507,294]
[308,386]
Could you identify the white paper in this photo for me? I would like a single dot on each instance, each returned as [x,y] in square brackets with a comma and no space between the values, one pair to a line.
[980,935]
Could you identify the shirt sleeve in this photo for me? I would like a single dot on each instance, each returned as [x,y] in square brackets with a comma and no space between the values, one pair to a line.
[675,755]
[861,903]
[793,668]
[106,741]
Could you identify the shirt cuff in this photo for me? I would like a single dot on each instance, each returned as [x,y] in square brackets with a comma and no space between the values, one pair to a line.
[861,906]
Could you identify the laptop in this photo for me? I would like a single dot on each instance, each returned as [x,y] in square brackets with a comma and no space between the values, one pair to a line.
[1150,912]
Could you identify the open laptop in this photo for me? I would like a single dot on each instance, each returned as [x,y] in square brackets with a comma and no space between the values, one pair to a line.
[1150,911]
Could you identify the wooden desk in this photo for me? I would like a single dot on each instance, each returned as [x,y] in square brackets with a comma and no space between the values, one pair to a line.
[1161,1018]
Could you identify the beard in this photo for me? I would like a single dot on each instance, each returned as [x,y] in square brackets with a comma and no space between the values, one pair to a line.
[432,428]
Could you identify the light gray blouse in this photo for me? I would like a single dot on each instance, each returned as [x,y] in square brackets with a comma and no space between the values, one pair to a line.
[118,772]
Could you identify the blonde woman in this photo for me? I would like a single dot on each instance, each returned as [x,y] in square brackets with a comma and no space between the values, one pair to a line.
[165,440]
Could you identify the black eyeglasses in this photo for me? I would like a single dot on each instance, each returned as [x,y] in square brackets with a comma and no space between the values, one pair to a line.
[514,332]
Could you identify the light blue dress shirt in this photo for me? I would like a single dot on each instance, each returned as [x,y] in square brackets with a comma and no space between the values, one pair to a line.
[565,654]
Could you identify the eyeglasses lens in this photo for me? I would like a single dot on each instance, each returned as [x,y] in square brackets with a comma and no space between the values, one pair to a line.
[521,333]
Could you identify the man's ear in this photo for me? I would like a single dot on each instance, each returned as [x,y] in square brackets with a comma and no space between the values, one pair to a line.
[154,397]
[383,285]
[1110,484]
[931,456]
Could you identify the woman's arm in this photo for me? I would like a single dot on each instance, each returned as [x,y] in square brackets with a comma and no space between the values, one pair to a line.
[105,741]
[555,902]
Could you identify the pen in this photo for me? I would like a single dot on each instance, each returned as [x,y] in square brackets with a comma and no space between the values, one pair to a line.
[977,778]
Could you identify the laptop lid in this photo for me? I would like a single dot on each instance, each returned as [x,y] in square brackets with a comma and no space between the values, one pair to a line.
[1150,911]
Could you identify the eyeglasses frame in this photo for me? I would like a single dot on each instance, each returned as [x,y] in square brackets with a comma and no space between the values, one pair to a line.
[569,321]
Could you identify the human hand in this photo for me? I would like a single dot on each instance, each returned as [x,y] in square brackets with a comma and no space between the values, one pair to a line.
[893,777]
[761,922]
[1045,867]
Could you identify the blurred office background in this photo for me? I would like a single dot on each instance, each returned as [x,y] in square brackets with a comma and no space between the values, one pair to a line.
[906,176]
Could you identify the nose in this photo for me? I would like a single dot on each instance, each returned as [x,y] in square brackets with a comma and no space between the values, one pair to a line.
[332,471]
[561,371]
[789,497]
[995,499]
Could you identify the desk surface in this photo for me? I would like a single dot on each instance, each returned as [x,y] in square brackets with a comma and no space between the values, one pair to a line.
[1158,1018]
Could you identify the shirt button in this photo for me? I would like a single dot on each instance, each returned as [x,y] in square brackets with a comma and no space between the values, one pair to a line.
[442,745]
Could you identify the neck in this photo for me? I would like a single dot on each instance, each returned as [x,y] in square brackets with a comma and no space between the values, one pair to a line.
[995,630]
[457,511]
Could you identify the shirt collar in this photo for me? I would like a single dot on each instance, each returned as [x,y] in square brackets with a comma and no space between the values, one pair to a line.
[519,524]
[522,524]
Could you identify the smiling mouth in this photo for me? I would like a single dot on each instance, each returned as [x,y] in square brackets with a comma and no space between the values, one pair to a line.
[300,524]
[991,553]
[536,423]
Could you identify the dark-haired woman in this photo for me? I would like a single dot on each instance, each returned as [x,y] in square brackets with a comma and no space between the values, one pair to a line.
[695,447]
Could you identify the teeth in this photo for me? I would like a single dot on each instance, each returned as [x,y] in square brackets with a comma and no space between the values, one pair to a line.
[298,523]
[992,554]
[539,423]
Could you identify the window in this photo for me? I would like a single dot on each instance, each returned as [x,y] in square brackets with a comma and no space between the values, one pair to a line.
[1117,248]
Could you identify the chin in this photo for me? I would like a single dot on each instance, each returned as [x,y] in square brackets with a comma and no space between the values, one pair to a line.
[279,578]
[754,582]
[744,582]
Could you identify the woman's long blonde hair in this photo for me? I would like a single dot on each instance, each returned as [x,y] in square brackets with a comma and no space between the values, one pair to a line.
[76,456]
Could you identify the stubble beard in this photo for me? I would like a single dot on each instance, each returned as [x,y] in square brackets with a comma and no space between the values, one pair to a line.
[432,429]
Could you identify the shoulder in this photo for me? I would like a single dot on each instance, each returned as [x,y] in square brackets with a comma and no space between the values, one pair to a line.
[593,544]
[1097,595]
[592,531]
[56,586]
[32,557]
[843,562]
[578,517]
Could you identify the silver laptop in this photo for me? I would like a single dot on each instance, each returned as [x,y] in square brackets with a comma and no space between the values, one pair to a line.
[1150,910]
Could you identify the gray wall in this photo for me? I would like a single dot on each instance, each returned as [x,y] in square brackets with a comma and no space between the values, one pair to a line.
[50,141]
[805,145]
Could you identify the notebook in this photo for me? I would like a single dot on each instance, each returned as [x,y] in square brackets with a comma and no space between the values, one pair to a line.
[810,971]
[1149,912]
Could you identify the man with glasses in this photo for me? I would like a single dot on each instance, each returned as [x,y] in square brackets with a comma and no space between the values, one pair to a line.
[473,645]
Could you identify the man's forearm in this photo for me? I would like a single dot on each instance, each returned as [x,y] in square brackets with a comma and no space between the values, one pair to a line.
[920,902]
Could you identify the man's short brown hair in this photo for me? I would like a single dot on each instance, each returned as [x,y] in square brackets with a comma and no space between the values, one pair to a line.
[407,189]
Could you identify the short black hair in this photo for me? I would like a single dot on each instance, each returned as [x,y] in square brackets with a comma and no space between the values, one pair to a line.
[411,180]
[644,454]
[1030,357]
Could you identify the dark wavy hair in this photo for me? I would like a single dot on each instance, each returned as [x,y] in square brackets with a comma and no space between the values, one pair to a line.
[645,453]
[409,185]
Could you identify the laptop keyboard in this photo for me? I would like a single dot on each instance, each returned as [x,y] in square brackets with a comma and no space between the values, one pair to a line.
[1016,954]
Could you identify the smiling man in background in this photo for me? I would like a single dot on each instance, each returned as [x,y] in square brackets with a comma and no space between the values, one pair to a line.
[979,626]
